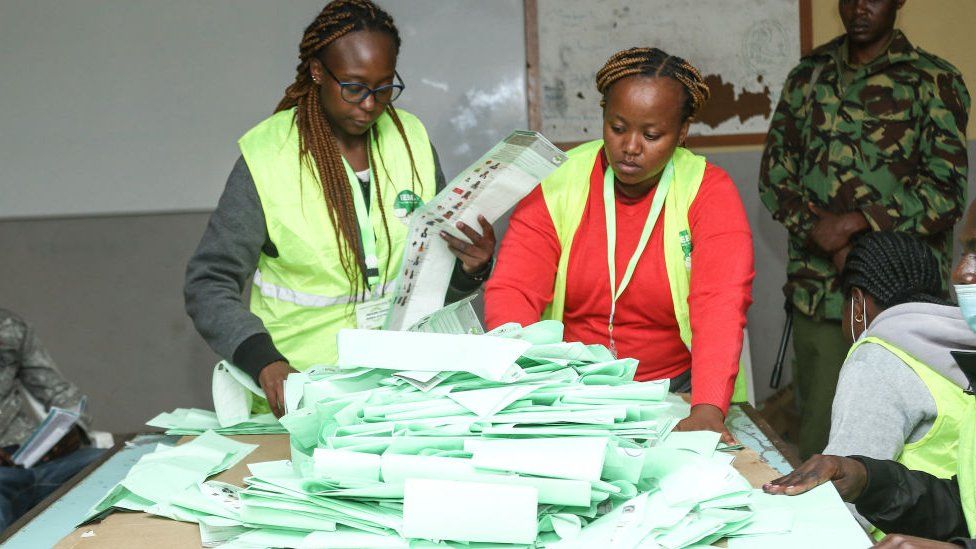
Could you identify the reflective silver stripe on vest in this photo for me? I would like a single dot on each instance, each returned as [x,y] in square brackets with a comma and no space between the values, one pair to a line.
[282,293]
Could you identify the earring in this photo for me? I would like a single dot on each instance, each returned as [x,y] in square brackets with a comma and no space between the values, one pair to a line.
[858,318]
[853,335]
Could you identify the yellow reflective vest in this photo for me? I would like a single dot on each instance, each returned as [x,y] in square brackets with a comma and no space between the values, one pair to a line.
[936,453]
[566,192]
[967,467]
[303,295]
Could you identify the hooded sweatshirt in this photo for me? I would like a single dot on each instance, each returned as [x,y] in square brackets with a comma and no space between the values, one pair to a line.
[881,404]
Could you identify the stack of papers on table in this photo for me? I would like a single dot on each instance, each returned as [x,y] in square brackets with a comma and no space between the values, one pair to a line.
[159,477]
[193,421]
[512,438]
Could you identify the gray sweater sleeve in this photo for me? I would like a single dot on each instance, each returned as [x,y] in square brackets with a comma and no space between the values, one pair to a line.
[219,269]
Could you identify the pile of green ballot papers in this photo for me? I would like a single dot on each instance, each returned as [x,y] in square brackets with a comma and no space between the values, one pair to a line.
[508,439]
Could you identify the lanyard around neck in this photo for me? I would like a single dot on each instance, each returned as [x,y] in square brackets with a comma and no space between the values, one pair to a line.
[366,234]
[610,211]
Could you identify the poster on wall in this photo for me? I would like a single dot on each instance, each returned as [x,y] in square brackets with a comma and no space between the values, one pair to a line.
[744,51]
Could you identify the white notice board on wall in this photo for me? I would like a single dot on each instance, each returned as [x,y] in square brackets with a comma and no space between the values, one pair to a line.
[744,49]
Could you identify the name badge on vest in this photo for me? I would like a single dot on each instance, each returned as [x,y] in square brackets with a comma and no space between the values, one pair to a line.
[371,315]
[405,203]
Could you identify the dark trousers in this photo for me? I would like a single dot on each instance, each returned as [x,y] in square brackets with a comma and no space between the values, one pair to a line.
[681,383]
[820,350]
[21,489]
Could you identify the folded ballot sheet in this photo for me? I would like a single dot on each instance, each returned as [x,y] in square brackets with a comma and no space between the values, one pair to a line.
[234,393]
[566,452]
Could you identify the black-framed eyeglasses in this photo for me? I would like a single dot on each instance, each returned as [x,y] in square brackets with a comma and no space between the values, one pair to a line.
[357,92]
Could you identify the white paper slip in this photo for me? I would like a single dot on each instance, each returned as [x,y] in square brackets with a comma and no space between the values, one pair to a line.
[343,464]
[233,393]
[469,511]
[488,402]
[579,458]
[487,357]
[397,468]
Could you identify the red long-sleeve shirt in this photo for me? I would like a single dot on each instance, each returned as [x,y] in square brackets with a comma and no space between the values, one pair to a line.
[645,326]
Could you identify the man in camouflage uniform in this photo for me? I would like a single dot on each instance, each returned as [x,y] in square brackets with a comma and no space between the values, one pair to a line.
[869,135]
[26,366]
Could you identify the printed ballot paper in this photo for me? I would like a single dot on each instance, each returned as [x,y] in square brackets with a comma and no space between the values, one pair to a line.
[489,187]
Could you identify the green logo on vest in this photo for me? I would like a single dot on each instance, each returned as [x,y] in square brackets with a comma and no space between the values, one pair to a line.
[405,203]
[686,247]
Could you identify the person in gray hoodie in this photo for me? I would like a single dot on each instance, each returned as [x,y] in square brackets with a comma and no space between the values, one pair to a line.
[922,508]
[900,393]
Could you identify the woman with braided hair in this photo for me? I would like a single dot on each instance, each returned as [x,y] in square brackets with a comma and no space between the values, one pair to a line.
[900,395]
[317,208]
[607,243]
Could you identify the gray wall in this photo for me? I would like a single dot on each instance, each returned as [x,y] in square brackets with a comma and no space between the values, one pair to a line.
[134,106]
[105,295]
[105,292]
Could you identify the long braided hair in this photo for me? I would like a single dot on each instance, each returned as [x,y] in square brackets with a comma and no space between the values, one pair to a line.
[318,148]
[893,268]
[654,62]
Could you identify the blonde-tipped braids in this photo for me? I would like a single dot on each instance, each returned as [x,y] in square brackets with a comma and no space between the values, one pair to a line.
[654,62]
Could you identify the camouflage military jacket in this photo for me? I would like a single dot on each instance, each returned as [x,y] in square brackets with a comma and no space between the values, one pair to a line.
[887,139]
[25,364]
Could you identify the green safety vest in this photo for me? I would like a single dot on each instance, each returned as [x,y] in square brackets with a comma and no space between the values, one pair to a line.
[966,474]
[303,296]
[566,191]
[936,453]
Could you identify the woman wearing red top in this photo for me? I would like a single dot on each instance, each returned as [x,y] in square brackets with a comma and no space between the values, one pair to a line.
[649,99]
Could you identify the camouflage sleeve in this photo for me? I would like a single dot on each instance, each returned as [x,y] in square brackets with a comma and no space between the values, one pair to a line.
[935,200]
[41,378]
[779,182]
